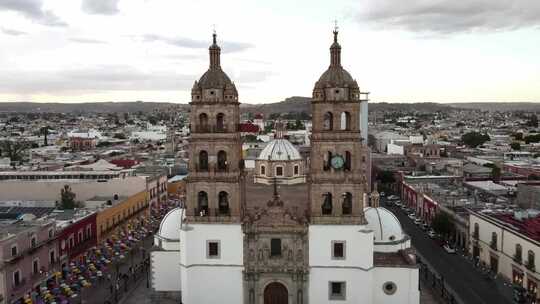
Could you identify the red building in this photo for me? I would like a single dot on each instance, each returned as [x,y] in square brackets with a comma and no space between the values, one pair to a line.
[77,234]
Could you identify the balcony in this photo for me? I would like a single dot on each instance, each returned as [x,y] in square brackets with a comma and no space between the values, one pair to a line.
[530,265]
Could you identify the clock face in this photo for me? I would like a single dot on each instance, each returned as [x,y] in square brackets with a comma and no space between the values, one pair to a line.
[337,162]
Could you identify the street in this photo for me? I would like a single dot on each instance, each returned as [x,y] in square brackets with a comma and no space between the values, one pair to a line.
[469,285]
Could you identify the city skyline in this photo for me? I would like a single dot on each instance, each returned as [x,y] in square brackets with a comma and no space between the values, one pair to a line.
[152,50]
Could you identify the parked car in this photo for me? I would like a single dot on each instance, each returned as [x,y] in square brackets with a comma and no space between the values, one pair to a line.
[382,194]
[449,249]
[412,216]
[425,226]
[393,197]
[431,233]
[418,221]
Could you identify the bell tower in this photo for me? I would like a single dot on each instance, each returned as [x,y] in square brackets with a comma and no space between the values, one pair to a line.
[339,159]
[214,189]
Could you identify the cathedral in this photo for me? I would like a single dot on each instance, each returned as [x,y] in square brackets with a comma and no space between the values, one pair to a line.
[291,230]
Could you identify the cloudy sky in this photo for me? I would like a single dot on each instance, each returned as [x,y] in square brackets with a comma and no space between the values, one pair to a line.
[153,50]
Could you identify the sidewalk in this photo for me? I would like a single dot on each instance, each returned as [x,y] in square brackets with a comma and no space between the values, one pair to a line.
[101,292]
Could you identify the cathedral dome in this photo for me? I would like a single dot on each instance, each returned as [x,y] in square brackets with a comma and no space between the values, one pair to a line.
[279,149]
[336,77]
[385,225]
[169,228]
[215,78]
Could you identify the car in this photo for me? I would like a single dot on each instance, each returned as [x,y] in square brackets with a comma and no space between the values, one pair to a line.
[431,234]
[412,216]
[397,203]
[403,207]
[425,226]
[418,221]
[393,197]
[382,194]
[449,249]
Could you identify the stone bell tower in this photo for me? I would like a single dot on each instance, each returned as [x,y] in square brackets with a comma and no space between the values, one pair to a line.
[214,188]
[339,159]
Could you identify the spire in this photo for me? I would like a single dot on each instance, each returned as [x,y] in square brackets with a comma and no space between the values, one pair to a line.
[215,52]
[335,49]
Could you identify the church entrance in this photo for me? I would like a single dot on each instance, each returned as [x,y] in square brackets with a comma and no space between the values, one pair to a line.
[276,293]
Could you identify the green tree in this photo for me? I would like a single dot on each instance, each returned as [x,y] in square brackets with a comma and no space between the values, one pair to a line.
[532,138]
[474,139]
[67,198]
[45,132]
[299,125]
[515,146]
[13,149]
[442,224]
[518,136]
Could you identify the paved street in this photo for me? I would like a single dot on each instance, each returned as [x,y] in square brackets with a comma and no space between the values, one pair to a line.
[469,284]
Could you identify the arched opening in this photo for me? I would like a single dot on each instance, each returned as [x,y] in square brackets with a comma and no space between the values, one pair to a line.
[220,122]
[328,121]
[202,204]
[327,204]
[222,161]
[203,160]
[530,260]
[518,254]
[263,170]
[327,161]
[346,205]
[345,121]
[203,122]
[223,203]
[476,230]
[276,293]
[348,161]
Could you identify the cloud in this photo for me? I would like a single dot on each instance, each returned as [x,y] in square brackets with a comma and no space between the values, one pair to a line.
[32,9]
[93,79]
[451,16]
[87,40]
[100,7]
[12,32]
[252,76]
[226,47]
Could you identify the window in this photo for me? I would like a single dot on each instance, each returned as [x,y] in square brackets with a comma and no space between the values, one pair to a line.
[336,291]
[14,250]
[328,121]
[223,203]
[275,247]
[202,204]
[203,160]
[345,121]
[530,260]
[33,241]
[35,266]
[17,278]
[222,161]
[296,169]
[347,166]
[220,122]
[327,204]
[389,288]
[51,233]
[52,257]
[338,250]
[263,170]
[212,249]
[493,240]
[203,122]
[346,206]
[89,231]
[476,230]
[279,171]
[80,236]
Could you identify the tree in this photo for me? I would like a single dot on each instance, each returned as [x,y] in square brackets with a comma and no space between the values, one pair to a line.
[442,224]
[518,136]
[533,121]
[45,132]
[474,139]
[515,146]
[13,149]
[67,198]
[299,125]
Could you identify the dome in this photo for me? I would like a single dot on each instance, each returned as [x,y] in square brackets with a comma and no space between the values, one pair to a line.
[385,225]
[170,225]
[279,149]
[215,78]
[336,77]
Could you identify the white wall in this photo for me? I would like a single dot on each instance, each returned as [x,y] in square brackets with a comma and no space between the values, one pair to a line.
[394,149]
[358,285]
[84,189]
[406,280]
[211,280]
[166,270]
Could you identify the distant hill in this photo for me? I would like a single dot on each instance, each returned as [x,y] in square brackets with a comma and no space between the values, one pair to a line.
[499,106]
[86,107]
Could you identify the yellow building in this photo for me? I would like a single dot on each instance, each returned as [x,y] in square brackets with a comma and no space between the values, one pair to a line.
[118,211]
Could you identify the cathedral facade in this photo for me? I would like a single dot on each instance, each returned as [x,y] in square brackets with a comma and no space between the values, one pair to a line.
[244,237]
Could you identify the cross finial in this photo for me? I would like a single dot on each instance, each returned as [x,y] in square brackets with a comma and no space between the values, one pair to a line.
[214,34]
[336,29]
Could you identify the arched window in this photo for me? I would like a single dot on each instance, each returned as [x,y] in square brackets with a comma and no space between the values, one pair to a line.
[518,254]
[328,121]
[346,205]
[530,260]
[203,122]
[202,204]
[279,171]
[345,121]
[327,161]
[220,122]
[494,240]
[476,230]
[263,170]
[327,204]
[296,169]
[222,161]
[348,161]
[223,203]
[203,160]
